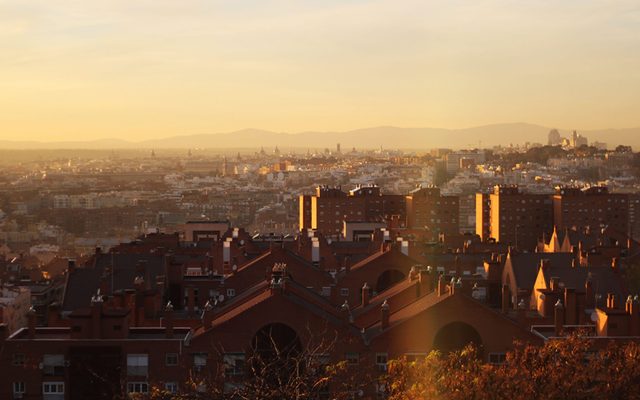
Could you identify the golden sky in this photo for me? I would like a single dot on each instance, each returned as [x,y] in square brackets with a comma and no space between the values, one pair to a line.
[88,69]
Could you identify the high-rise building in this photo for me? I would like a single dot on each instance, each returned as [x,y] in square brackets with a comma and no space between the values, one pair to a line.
[519,218]
[428,209]
[327,210]
[592,207]
[554,138]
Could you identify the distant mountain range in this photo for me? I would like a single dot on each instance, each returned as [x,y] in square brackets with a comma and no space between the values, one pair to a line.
[388,137]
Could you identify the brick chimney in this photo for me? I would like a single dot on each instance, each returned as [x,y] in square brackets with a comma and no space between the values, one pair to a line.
[207,315]
[345,312]
[365,294]
[634,315]
[558,318]
[615,264]
[506,294]
[590,301]
[168,320]
[96,316]
[554,283]
[442,286]
[613,302]
[384,323]
[571,305]
[31,323]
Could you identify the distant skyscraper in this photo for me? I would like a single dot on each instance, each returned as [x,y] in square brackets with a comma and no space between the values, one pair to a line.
[338,148]
[554,138]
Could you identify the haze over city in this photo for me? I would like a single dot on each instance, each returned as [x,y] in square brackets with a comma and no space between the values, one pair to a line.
[151,69]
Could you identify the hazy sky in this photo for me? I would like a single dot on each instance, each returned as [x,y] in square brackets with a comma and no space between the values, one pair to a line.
[138,69]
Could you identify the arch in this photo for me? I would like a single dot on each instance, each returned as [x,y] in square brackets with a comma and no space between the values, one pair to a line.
[455,336]
[276,339]
[388,278]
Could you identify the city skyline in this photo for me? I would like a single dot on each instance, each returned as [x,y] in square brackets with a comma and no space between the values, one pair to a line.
[142,71]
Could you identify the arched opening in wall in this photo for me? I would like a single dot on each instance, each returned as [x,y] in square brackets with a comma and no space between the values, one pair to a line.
[276,351]
[388,278]
[456,336]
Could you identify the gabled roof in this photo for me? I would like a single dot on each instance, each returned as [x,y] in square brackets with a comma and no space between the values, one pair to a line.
[524,266]
[84,282]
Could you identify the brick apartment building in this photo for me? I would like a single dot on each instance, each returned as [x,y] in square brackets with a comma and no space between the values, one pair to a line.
[515,217]
[330,207]
[427,208]
[594,207]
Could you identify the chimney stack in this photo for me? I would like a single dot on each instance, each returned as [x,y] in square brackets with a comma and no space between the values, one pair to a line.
[506,294]
[168,320]
[207,315]
[365,294]
[570,301]
[96,316]
[385,315]
[315,251]
[226,251]
[558,318]
[442,286]
[554,282]
[345,312]
[615,264]
[590,301]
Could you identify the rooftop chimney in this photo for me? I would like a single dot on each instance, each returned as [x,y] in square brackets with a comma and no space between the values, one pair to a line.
[558,318]
[506,294]
[96,316]
[168,320]
[615,264]
[226,252]
[365,294]
[571,312]
[385,315]
[589,295]
[315,251]
[442,286]
[554,283]
[207,315]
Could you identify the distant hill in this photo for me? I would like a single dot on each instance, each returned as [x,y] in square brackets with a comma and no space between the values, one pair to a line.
[386,136]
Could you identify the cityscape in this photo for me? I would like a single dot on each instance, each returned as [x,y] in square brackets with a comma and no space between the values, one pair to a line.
[336,200]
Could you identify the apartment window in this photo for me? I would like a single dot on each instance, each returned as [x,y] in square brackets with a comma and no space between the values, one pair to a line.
[171,359]
[171,387]
[231,292]
[18,389]
[137,364]
[53,390]
[233,364]
[497,358]
[381,361]
[352,358]
[326,291]
[137,387]
[344,292]
[53,364]
[18,359]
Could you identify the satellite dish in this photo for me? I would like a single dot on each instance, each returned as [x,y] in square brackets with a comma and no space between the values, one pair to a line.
[594,317]
[234,267]
[221,298]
